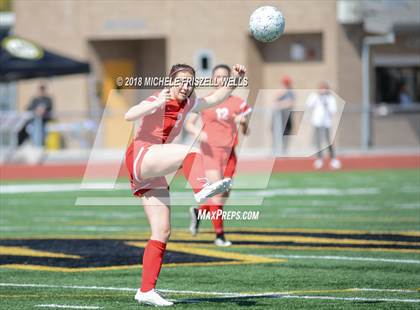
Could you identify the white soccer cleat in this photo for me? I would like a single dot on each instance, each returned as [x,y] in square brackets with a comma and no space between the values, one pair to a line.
[318,164]
[222,243]
[213,189]
[194,221]
[335,163]
[152,298]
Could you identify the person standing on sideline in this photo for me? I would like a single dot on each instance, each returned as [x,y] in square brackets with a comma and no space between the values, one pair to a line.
[41,106]
[281,121]
[404,97]
[323,107]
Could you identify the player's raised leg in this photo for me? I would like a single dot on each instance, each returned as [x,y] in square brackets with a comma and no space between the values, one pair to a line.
[163,159]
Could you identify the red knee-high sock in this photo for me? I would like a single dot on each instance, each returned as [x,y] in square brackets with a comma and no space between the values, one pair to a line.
[193,170]
[216,219]
[206,207]
[152,262]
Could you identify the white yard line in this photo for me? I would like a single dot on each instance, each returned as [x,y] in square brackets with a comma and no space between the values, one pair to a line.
[317,191]
[69,187]
[383,290]
[270,295]
[60,187]
[349,258]
[238,196]
[237,295]
[350,298]
[67,306]
[69,228]
[77,287]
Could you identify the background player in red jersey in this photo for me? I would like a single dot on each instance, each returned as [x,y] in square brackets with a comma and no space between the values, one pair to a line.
[151,156]
[218,137]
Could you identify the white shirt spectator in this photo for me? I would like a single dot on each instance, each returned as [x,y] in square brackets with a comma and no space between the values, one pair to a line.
[323,108]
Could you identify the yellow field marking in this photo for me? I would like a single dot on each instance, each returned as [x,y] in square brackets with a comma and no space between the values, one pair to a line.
[24,251]
[112,268]
[239,259]
[299,248]
[175,233]
[26,296]
[138,236]
[319,230]
[258,246]
[238,237]
[193,249]
[207,249]
[65,269]
[265,238]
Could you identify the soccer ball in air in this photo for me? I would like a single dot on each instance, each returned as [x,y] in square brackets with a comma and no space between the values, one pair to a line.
[266,24]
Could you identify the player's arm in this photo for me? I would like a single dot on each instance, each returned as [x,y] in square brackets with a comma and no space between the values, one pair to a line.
[243,119]
[146,107]
[221,94]
[245,128]
[244,123]
[244,115]
[191,127]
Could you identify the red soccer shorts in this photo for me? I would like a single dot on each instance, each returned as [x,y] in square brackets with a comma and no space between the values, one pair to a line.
[133,160]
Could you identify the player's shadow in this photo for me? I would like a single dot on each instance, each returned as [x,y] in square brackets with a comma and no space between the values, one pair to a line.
[244,301]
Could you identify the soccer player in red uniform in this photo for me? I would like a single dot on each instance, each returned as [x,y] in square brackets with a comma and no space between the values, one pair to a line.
[151,156]
[218,138]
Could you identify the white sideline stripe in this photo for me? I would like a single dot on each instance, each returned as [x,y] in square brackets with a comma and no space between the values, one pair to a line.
[357,290]
[64,187]
[69,187]
[347,298]
[369,259]
[383,290]
[177,199]
[78,287]
[316,191]
[67,306]
[232,295]
[279,295]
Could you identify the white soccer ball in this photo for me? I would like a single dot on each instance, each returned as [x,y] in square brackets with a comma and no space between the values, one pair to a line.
[266,24]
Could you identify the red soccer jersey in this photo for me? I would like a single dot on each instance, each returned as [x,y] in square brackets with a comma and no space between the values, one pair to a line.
[163,125]
[219,122]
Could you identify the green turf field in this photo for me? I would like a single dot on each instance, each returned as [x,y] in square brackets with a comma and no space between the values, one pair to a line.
[330,240]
